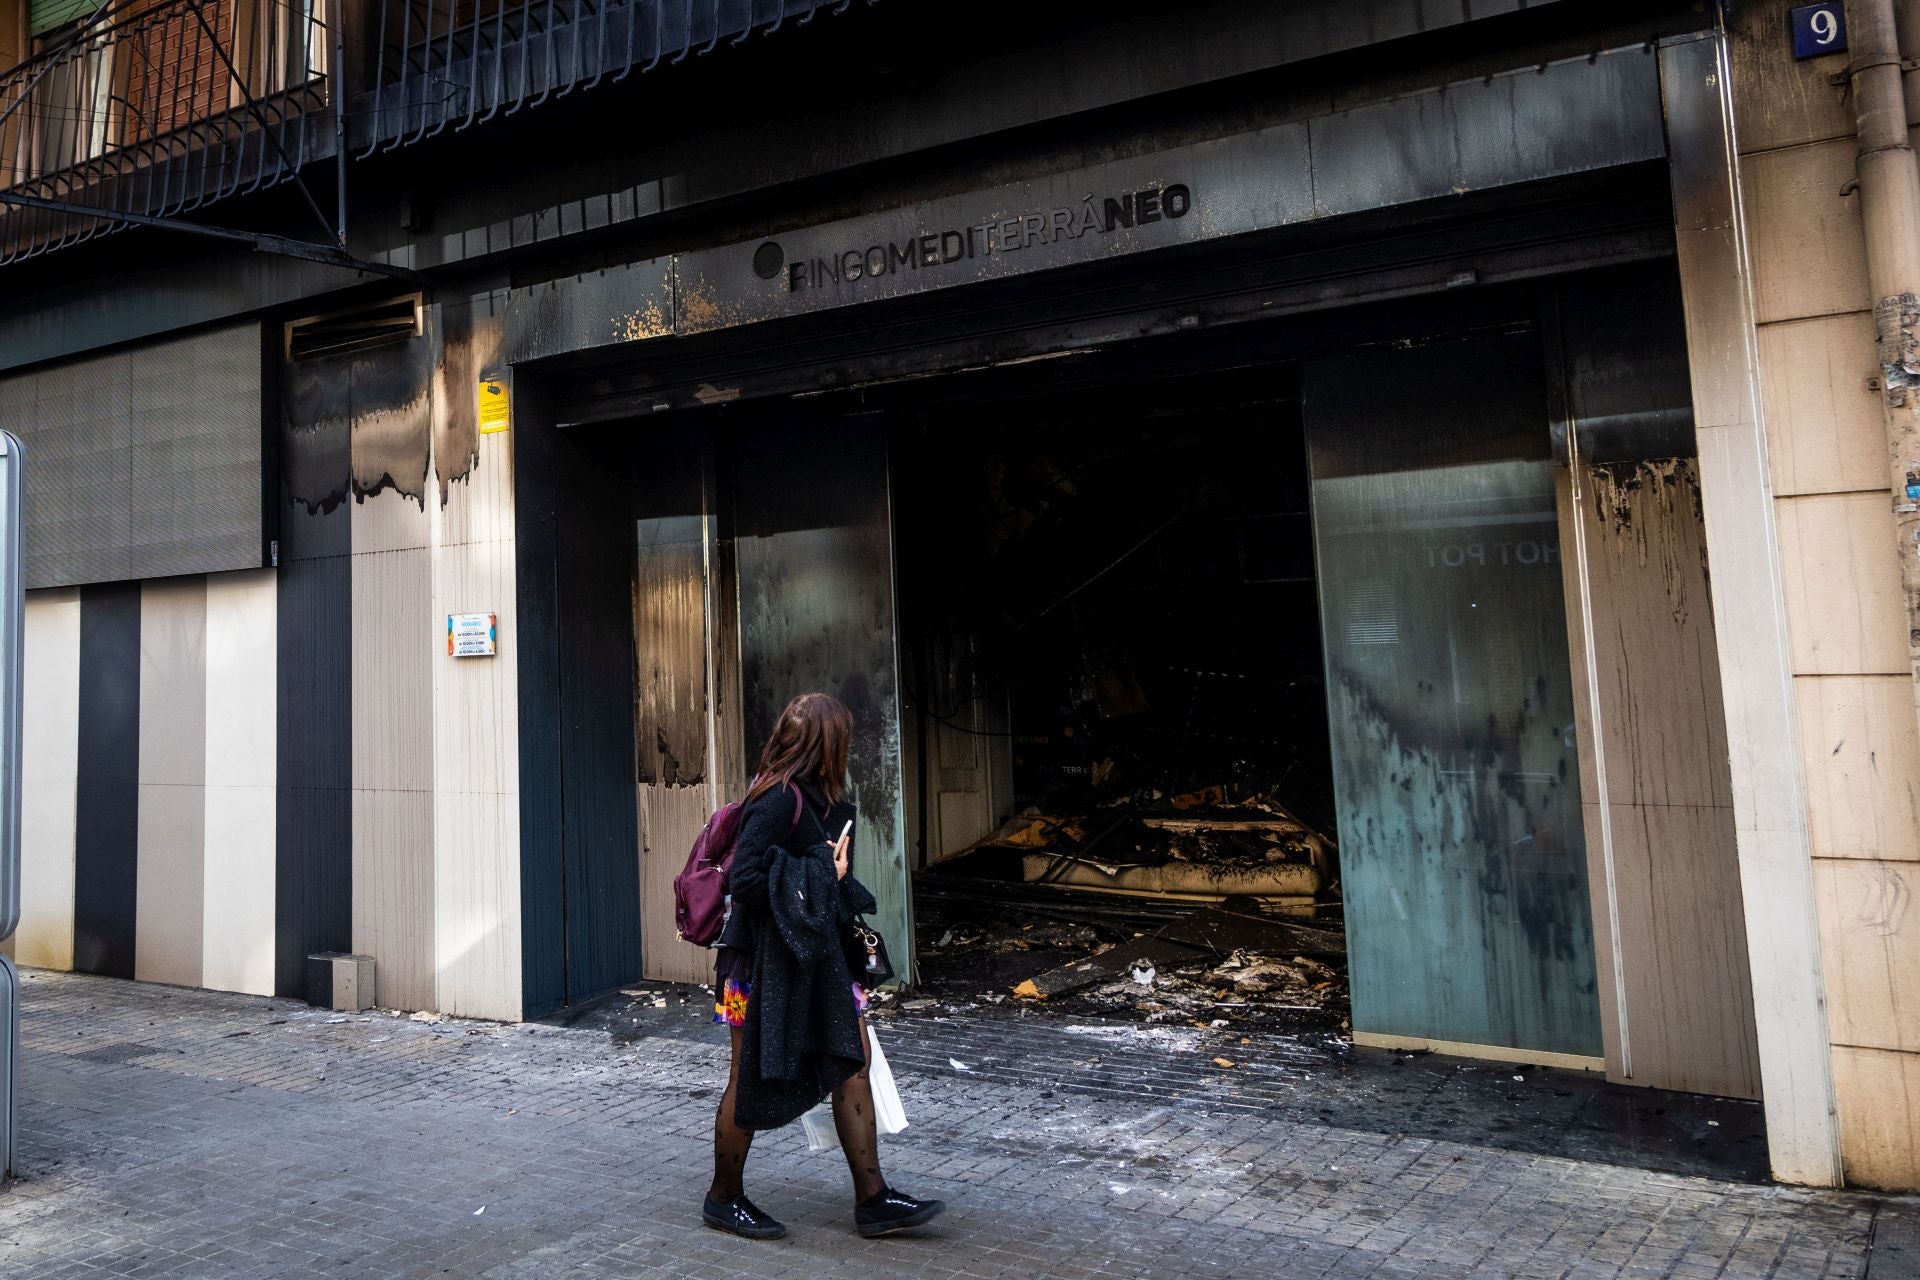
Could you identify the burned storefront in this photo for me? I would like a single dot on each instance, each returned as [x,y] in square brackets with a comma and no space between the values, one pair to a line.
[1305,504]
[1228,551]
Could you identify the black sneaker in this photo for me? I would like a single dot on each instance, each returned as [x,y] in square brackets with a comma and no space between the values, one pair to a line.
[892,1211]
[742,1217]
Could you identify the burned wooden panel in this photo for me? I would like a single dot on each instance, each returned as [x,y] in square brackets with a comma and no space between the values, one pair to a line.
[1655,781]
[670,693]
[1670,934]
[670,652]
[670,820]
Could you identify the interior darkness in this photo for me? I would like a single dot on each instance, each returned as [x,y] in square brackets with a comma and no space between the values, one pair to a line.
[1128,568]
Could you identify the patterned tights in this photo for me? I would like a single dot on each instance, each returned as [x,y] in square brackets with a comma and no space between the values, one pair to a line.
[853,1120]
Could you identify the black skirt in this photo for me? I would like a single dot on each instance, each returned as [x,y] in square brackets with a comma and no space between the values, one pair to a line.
[731,964]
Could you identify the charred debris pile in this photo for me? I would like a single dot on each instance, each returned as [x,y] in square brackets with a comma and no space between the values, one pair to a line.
[1201,908]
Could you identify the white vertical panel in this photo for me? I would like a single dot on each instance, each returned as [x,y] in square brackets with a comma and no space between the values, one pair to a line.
[241,761]
[168,901]
[476,836]
[1770,819]
[476,758]
[50,765]
[394,645]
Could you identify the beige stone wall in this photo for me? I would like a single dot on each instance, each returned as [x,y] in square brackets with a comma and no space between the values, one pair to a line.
[1853,693]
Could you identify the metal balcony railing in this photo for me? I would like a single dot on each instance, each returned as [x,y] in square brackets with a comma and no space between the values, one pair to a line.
[460,63]
[150,109]
[166,106]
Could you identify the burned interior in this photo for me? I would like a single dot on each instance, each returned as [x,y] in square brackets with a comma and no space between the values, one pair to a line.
[1110,638]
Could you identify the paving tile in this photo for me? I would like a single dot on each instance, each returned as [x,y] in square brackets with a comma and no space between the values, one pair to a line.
[186,1133]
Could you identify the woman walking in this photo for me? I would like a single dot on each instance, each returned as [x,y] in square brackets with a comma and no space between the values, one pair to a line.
[781,977]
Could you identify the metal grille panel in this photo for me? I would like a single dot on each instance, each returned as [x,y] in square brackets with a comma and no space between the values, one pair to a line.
[147,464]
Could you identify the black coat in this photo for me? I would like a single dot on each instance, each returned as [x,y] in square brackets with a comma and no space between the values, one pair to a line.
[802,1035]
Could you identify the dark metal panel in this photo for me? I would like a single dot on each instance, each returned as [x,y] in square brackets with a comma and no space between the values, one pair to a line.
[313,861]
[1625,343]
[313,877]
[579,313]
[1617,216]
[543,939]
[1567,117]
[593,575]
[107,802]
[162,294]
[313,843]
[579,829]
[1553,122]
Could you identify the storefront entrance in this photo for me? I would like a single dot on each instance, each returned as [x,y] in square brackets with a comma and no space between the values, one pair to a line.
[1269,624]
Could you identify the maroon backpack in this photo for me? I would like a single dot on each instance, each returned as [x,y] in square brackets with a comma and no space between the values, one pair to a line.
[700,890]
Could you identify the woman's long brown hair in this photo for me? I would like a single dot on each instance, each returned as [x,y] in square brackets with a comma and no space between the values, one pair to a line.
[808,744]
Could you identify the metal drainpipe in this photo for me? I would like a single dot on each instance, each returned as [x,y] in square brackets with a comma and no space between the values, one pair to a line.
[1889,188]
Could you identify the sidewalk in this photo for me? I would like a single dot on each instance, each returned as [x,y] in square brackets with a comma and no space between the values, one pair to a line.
[182,1133]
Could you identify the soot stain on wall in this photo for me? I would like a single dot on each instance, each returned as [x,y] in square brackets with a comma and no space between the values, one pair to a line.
[472,335]
[1625,494]
[389,393]
[395,417]
[315,422]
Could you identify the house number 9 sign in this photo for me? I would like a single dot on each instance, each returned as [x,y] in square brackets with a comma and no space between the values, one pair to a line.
[1819,29]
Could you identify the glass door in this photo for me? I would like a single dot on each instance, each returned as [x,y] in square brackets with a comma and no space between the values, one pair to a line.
[814,549]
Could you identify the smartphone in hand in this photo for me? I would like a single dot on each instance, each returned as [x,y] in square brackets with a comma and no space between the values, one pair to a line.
[840,850]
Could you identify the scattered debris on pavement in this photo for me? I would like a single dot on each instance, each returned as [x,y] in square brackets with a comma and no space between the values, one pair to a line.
[1114,956]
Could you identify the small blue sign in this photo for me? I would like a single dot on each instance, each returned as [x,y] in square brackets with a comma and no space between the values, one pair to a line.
[1819,29]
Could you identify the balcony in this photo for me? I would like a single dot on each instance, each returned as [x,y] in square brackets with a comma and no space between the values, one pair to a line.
[152,109]
[459,63]
[159,111]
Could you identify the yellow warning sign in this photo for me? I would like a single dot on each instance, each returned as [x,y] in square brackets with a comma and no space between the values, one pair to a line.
[494,411]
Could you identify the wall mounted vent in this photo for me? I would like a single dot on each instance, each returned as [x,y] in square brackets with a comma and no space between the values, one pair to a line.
[377,324]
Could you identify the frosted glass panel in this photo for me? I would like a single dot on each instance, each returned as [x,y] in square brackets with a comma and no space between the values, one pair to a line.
[1453,741]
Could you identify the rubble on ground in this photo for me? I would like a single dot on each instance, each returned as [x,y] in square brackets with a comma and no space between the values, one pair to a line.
[1209,967]
[1206,827]
[1210,906]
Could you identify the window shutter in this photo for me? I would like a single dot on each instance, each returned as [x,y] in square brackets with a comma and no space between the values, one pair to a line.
[46,15]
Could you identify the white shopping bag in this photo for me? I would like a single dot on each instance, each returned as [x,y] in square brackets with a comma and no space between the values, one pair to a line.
[889,1116]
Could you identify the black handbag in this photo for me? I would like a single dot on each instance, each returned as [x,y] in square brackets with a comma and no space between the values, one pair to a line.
[866,954]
